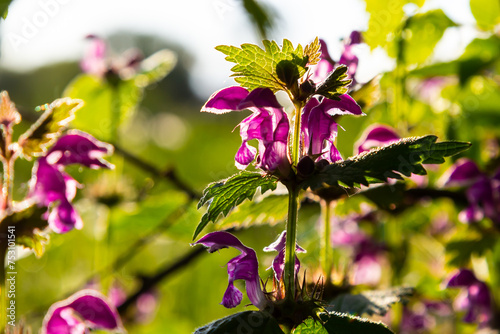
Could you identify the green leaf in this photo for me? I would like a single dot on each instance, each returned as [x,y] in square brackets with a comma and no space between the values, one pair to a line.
[486,13]
[248,322]
[49,126]
[384,21]
[106,106]
[339,323]
[369,302]
[271,210]
[310,326]
[422,33]
[155,68]
[335,84]
[256,67]
[224,195]
[480,54]
[28,225]
[461,250]
[377,166]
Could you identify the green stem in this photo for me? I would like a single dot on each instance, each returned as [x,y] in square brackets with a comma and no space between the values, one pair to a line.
[296,133]
[326,251]
[291,238]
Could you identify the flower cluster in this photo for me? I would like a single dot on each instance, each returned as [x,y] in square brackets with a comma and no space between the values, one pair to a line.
[270,126]
[51,187]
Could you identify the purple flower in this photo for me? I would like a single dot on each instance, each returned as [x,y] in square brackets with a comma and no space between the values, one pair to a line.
[483,191]
[322,69]
[475,299]
[244,266]
[268,124]
[87,309]
[421,318]
[96,62]
[319,129]
[375,136]
[51,187]
[279,261]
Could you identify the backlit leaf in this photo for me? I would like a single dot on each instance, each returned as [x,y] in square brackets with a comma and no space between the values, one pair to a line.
[224,195]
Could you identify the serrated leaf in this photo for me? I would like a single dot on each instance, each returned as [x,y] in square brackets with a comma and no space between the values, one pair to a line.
[313,52]
[256,67]
[369,302]
[340,323]
[270,210]
[155,68]
[224,195]
[335,84]
[377,166]
[248,322]
[49,126]
[106,106]
[8,111]
[310,326]
[462,250]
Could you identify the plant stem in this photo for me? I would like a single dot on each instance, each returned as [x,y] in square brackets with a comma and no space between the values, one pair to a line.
[326,253]
[296,133]
[291,238]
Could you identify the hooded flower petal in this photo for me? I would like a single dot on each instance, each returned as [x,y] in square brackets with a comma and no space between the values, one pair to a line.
[375,136]
[82,148]
[50,185]
[225,100]
[245,267]
[462,173]
[83,310]
[279,261]
[319,129]
[269,125]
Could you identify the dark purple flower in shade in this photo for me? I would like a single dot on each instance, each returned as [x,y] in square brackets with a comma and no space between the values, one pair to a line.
[319,129]
[421,317]
[244,266]
[51,187]
[87,309]
[475,299]
[483,191]
[375,136]
[279,261]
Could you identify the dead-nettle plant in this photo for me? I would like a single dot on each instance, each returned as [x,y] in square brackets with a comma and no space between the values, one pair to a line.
[297,149]
[47,204]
